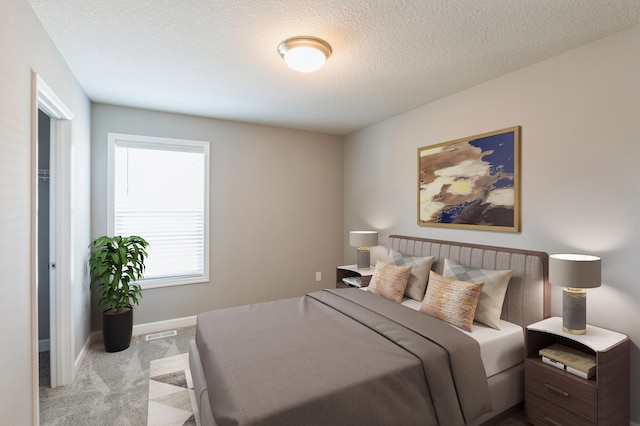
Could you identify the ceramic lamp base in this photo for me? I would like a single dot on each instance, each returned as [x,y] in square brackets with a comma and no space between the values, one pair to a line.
[574,311]
[364,258]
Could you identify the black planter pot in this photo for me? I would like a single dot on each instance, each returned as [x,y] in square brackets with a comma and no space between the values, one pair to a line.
[116,329]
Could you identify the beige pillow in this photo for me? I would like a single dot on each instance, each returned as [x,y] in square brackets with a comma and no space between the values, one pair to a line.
[451,300]
[492,297]
[389,280]
[420,267]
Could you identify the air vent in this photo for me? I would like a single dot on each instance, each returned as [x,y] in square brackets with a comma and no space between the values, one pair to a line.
[161,335]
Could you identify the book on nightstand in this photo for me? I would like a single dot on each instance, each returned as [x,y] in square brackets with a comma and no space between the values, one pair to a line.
[353,281]
[570,360]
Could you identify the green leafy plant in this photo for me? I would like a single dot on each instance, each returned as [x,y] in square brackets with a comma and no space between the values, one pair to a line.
[115,264]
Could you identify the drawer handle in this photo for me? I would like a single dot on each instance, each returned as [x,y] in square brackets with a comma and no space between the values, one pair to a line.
[551,422]
[556,390]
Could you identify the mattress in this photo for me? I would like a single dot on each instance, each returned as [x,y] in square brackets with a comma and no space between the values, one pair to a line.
[499,349]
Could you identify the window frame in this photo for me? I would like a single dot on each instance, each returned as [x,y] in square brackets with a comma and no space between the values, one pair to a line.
[148,142]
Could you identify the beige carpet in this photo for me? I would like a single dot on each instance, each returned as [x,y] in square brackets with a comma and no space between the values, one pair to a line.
[171,396]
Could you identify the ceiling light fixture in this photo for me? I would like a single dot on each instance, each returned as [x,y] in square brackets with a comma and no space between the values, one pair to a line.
[304,53]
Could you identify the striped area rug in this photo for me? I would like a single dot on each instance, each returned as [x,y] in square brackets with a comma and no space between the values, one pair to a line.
[171,397]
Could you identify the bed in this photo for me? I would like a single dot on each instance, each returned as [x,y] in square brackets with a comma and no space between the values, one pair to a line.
[346,356]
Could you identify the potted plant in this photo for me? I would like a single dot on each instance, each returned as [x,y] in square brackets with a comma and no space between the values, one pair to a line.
[115,263]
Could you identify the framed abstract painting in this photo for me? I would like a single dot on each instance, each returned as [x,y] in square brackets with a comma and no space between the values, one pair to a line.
[471,183]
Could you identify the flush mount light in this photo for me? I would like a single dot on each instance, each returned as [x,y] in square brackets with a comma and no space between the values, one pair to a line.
[304,53]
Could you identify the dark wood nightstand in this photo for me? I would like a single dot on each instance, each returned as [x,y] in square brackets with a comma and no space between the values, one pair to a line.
[348,271]
[556,397]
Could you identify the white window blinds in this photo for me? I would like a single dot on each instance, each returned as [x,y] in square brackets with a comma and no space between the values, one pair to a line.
[160,192]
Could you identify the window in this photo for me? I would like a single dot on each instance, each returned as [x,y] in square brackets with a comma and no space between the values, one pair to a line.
[159,190]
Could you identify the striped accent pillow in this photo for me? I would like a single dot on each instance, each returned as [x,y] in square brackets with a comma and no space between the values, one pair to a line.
[451,300]
[389,280]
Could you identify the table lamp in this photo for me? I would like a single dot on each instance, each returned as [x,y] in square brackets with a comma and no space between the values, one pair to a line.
[363,240]
[574,272]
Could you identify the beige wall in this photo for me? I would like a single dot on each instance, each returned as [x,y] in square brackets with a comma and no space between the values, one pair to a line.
[276,209]
[25,46]
[580,118]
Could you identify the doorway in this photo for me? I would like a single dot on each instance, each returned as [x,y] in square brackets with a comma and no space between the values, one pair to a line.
[56,178]
[44,241]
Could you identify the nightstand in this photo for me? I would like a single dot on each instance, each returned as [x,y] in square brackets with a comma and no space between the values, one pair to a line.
[556,397]
[348,271]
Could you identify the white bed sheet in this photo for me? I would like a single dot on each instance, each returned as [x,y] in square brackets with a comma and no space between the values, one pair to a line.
[499,349]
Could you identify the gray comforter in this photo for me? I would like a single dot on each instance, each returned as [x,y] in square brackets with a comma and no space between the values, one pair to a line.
[338,357]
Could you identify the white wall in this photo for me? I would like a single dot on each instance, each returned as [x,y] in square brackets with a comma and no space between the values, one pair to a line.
[580,118]
[25,46]
[276,209]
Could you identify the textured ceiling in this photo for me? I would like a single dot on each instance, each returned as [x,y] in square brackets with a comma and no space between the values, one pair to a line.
[218,58]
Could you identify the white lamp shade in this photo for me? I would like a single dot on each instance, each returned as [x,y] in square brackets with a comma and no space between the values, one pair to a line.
[363,238]
[575,270]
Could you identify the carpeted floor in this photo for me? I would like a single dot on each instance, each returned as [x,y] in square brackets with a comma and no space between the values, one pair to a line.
[110,388]
[44,373]
[118,389]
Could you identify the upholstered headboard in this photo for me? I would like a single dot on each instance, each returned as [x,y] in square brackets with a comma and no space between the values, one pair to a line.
[528,297]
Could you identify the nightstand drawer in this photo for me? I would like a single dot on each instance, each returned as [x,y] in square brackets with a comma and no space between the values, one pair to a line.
[540,411]
[572,393]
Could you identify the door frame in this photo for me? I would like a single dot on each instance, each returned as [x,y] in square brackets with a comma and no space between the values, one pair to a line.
[61,324]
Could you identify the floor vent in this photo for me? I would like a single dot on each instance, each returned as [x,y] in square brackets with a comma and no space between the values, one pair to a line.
[161,335]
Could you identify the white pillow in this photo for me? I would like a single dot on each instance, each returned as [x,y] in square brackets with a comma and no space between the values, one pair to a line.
[492,297]
[420,267]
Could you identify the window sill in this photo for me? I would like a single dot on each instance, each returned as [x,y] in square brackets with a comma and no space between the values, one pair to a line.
[171,282]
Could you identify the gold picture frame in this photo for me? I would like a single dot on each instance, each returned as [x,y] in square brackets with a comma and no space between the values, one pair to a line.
[471,183]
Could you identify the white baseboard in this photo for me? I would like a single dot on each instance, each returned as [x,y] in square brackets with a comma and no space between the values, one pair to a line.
[96,336]
[82,354]
[154,327]
[44,345]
